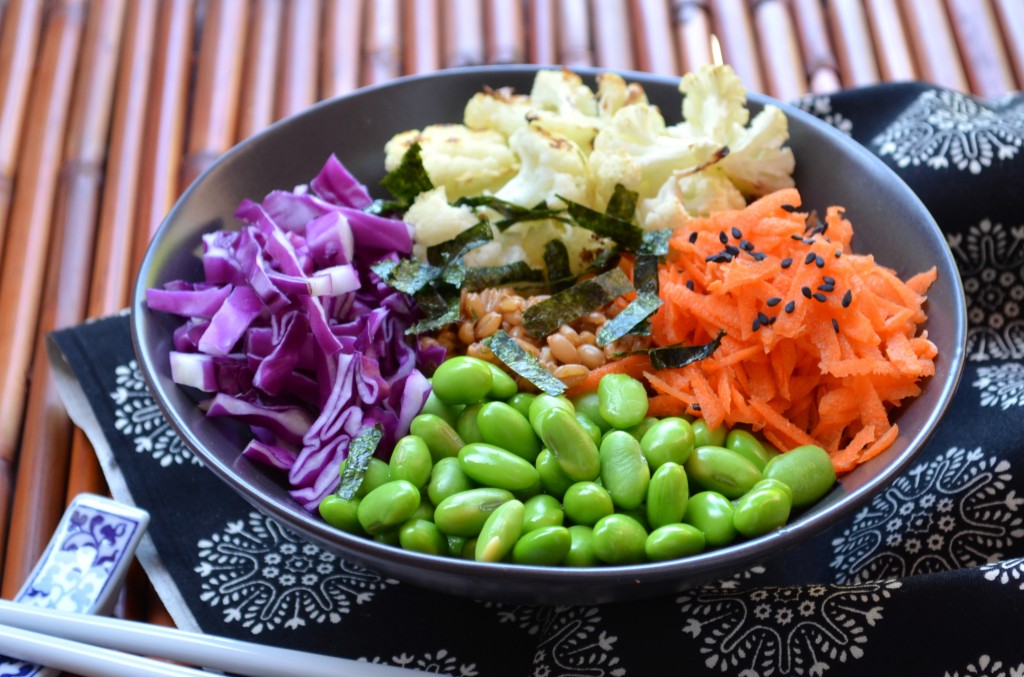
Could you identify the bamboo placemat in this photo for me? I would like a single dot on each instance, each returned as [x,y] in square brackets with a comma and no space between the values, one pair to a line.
[111,107]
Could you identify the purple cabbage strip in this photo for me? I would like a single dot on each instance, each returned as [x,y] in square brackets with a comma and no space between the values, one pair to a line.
[335,185]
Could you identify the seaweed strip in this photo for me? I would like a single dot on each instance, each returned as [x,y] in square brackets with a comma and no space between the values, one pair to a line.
[556,260]
[623,232]
[647,301]
[410,177]
[511,212]
[622,203]
[544,317]
[678,355]
[360,450]
[408,276]
[506,349]
[477,279]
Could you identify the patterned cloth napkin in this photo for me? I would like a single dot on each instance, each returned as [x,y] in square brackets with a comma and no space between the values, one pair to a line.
[928,579]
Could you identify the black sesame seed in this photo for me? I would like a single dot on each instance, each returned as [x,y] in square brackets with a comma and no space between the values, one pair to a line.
[788,208]
[847,298]
[693,237]
[810,257]
[732,249]
[835,324]
[763,318]
[808,240]
[689,285]
[828,279]
[791,306]
[806,291]
[796,236]
[746,245]
[722,237]
[786,262]
[826,287]
[736,232]
[772,319]
[818,296]
[773,301]
[720,257]
[756,325]
[838,253]
[695,406]
[818,261]
[758,256]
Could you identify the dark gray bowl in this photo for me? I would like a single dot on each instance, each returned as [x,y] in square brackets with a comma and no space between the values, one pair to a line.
[831,169]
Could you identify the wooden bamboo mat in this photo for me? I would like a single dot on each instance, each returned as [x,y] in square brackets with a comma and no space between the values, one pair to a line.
[111,107]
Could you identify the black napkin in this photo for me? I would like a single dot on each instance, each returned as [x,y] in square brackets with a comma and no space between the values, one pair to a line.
[928,579]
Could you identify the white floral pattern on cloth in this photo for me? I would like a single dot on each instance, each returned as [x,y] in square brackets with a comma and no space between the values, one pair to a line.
[990,257]
[940,515]
[1007,572]
[438,663]
[1001,386]
[943,128]
[265,576]
[820,106]
[792,630]
[572,642]
[989,667]
[138,417]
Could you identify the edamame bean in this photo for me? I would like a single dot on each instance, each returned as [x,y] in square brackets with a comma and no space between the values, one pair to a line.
[722,470]
[448,412]
[640,429]
[411,461]
[747,446]
[581,548]
[455,544]
[542,511]
[760,511]
[707,437]
[425,511]
[341,513]
[446,479]
[552,478]
[590,406]
[571,446]
[441,438]
[547,546]
[462,380]
[668,440]
[387,506]
[464,513]
[711,512]
[768,483]
[622,400]
[590,427]
[807,470]
[500,532]
[542,403]
[503,386]
[667,495]
[672,541]
[521,402]
[389,537]
[467,426]
[619,539]
[624,471]
[501,425]
[587,502]
[421,535]
[494,467]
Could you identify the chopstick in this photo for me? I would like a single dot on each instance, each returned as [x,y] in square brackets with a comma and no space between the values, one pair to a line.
[343,28]
[937,55]
[736,35]
[209,651]
[780,53]
[853,43]
[574,48]
[541,36]
[462,33]
[893,46]
[505,20]
[693,33]
[981,47]
[822,70]
[297,79]
[612,48]
[259,78]
[421,28]
[1011,19]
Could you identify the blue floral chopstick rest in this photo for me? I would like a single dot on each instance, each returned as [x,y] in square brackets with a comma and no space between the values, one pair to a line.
[83,566]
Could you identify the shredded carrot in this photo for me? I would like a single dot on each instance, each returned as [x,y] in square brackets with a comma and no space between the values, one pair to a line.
[634,365]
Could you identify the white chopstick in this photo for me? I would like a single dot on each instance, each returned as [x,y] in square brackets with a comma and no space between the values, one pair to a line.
[84,634]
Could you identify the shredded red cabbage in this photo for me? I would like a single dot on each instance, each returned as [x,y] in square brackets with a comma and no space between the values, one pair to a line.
[296,336]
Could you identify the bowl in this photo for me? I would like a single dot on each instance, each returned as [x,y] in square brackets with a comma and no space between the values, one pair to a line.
[890,222]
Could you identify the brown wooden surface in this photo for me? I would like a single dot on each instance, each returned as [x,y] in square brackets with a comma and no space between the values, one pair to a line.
[103,124]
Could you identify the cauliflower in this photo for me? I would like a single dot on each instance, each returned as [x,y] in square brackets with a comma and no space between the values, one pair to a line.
[434,220]
[463,160]
[549,165]
[688,194]
[525,241]
[613,93]
[500,110]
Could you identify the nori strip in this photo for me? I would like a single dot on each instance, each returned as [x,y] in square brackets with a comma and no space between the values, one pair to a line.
[450,250]
[622,203]
[647,301]
[621,231]
[556,260]
[656,241]
[360,451]
[409,178]
[439,304]
[511,212]
[678,355]
[499,276]
[408,276]
[548,315]
[506,349]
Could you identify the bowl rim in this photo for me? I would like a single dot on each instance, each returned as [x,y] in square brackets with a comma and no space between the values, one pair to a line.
[486,579]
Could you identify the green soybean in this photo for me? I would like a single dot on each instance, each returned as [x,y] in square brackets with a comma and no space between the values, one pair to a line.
[441,438]
[521,402]
[722,470]
[590,406]
[624,470]
[464,513]
[587,502]
[619,539]
[769,483]
[542,511]
[377,473]
[448,412]
[467,426]
[542,403]
[807,470]
[581,548]
[389,537]
[667,495]
[387,506]
[547,546]
[411,461]
[760,511]
[622,400]
[494,467]
[425,511]
[455,544]
[446,479]
[672,541]
[501,425]
[590,427]
[640,429]
[748,446]
[552,478]
[711,512]
[500,532]
[707,437]
[670,440]
[462,380]
[570,444]
[503,386]
[341,513]
[421,535]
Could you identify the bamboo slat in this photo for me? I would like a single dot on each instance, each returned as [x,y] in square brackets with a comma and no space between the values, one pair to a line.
[931,36]
[259,78]
[981,47]
[780,51]
[421,28]
[854,46]
[22,279]
[19,37]
[693,33]
[381,59]
[613,47]
[1011,20]
[505,21]
[542,39]
[816,44]
[734,29]
[895,54]
[462,33]
[297,79]
[343,29]
[218,83]
[573,29]
[653,41]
